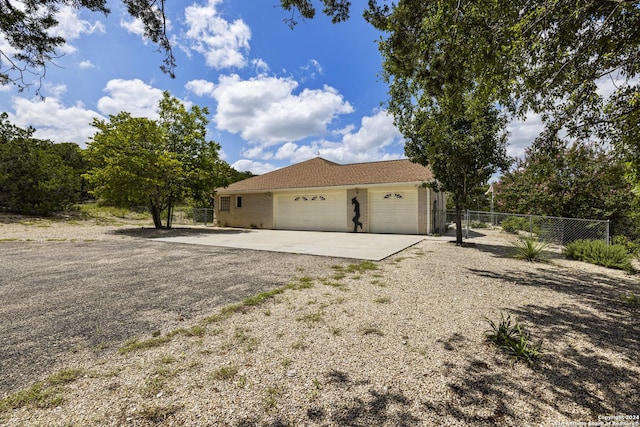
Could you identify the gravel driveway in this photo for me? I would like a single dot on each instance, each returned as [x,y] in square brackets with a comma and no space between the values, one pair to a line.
[61,297]
[399,344]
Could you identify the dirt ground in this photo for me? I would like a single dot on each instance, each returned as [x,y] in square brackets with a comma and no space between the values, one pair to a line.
[59,297]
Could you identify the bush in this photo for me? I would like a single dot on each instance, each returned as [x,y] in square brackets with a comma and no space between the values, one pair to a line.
[599,253]
[514,339]
[478,224]
[513,224]
[632,247]
[530,249]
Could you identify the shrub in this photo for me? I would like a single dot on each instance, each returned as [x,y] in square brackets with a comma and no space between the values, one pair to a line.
[478,224]
[531,249]
[632,247]
[513,224]
[514,339]
[599,253]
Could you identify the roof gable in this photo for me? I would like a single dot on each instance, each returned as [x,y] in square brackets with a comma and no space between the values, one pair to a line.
[319,172]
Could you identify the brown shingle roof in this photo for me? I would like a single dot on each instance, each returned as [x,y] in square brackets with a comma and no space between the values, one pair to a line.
[319,172]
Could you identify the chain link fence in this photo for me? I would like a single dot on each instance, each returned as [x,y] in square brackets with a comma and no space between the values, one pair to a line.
[193,216]
[558,230]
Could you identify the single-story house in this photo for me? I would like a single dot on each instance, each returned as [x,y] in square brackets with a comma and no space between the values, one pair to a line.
[376,197]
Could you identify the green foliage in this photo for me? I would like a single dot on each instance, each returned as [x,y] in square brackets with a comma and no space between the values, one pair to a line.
[632,247]
[575,181]
[478,224]
[45,394]
[515,340]
[531,249]
[513,224]
[631,299]
[445,112]
[599,253]
[141,162]
[37,177]
[225,372]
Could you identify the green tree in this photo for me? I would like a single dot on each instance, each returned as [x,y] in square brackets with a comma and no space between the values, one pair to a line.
[579,180]
[35,177]
[444,109]
[138,161]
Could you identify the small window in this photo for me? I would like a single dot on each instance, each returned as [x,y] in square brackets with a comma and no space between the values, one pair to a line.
[238,201]
[225,203]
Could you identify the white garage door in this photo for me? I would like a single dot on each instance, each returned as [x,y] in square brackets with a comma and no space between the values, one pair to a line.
[319,211]
[394,211]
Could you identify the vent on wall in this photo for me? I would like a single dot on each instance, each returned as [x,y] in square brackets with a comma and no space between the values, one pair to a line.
[393,195]
[306,199]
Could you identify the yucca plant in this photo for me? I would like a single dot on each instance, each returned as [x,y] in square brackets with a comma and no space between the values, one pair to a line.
[514,339]
[531,249]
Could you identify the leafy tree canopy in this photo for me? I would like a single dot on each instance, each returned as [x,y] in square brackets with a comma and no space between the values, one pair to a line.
[444,109]
[569,180]
[36,176]
[141,162]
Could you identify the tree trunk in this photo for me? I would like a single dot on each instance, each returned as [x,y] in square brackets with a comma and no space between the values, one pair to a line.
[169,216]
[155,213]
[458,226]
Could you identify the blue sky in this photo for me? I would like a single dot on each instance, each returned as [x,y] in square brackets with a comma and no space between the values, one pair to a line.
[276,96]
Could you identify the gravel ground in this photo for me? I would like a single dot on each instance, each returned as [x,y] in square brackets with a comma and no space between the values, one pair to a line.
[402,344]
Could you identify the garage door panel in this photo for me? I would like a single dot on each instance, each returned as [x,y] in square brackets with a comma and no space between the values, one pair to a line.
[394,211]
[319,211]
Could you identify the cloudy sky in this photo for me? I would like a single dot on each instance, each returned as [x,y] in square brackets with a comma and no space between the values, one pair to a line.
[276,96]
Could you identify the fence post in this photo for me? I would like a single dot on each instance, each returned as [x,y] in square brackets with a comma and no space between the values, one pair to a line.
[467,221]
[531,226]
[608,240]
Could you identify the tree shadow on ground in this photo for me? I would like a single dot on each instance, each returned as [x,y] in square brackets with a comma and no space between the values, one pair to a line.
[590,358]
[376,408]
[153,233]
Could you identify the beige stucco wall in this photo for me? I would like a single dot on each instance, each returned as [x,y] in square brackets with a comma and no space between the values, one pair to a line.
[256,211]
[424,210]
[362,196]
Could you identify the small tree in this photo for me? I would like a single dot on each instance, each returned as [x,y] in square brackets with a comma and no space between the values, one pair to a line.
[444,106]
[138,161]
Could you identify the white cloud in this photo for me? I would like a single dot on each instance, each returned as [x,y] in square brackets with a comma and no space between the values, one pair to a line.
[222,43]
[368,143]
[85,65]
[200,87]
[257,168]
[311,70]
[53,120]
[132,96]
[136,26]
[522,133]
[256,152]
[266,110]
[260,66]
[71,27]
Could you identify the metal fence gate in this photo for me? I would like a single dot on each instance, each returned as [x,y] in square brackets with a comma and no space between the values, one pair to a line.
[549,229]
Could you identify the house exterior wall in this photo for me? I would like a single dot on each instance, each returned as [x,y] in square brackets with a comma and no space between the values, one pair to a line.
[256,211]
[424,211]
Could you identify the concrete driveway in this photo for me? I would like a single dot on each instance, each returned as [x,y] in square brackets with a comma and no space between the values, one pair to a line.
[365,246]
